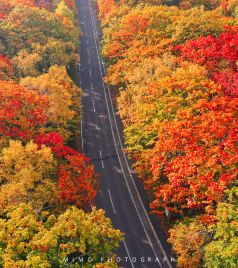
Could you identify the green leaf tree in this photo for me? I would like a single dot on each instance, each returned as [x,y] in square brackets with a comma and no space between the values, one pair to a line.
[223,250]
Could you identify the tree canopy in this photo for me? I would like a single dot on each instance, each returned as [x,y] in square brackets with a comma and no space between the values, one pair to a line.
[174,67]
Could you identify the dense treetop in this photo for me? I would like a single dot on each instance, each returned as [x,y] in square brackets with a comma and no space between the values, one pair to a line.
[175,70]
[47,188]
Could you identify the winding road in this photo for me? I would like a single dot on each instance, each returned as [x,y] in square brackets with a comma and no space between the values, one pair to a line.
[121,195]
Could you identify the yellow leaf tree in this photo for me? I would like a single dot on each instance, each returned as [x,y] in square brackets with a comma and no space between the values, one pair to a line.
[63,97]
[29,239]
[27,175]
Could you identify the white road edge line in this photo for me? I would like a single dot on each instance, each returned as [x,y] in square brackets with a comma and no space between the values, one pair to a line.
[141,202]
[111,201]
[81,134]
[97,129]
[81,118]
[119,158]
[128,253]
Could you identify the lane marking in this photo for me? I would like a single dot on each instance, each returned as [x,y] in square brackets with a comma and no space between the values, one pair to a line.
[101,159]
[90,73]
[119,158]
[97,129]
[141,203]
[103,167]
[135,187]
[94,109]
[80,83]
[81,134]
[92,87]
[128,253]
[111,201]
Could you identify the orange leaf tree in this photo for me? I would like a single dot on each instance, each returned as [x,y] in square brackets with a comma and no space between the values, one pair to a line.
[195,158]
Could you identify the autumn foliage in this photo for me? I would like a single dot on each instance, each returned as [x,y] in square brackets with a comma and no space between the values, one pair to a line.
[6,70]
[105,7]
[47,240]
[219,55]
[198,155]
[175,69]
[56,143]
[45,106]
[22,112]
[28,175]
[47,188]
[62,95]
[77,181]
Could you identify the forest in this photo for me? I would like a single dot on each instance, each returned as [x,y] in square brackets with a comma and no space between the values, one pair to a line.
[47,187]
[173,66]
[174,69]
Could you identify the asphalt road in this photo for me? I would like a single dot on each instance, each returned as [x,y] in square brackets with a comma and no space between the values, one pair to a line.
[121,195]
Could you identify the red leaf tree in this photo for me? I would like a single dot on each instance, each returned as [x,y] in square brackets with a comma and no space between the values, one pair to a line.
[21,111]
[6,70]
[77,181]
[219,55]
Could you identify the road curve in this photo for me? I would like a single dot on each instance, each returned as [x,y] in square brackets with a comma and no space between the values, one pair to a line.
[121,196]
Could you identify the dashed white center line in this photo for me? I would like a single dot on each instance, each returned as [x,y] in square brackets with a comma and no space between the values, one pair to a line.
[128,253]
[101,159]
[111,201]
[94,109]
[81,134]
[97,129]
[102,68]
[92,87]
